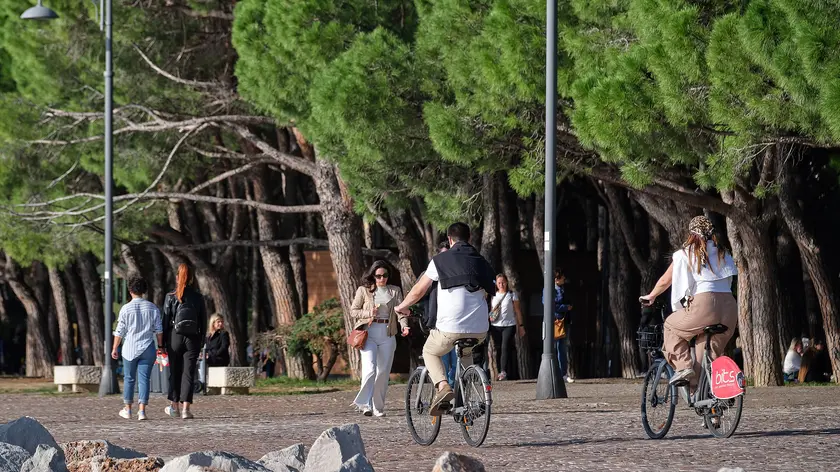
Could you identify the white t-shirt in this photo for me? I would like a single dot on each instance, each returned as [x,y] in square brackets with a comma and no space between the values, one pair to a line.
[507,315]
[793,362]
[458,310]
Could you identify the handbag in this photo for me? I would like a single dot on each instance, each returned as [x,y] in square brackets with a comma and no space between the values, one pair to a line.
[357,338]
[559,329]
[496,312]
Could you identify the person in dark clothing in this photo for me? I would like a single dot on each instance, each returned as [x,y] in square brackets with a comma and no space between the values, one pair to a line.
[217,348]
[184,323]
[819,365]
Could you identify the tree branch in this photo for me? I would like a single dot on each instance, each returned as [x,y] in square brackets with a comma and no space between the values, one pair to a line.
[191,83]
[615,205]
[310,242]
[293,162]
[162,125]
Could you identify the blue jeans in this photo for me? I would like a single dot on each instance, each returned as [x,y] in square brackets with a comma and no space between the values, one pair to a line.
[560,347]
[138,370]
[450,361]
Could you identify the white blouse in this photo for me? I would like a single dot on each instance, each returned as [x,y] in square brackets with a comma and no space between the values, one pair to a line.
[713,277]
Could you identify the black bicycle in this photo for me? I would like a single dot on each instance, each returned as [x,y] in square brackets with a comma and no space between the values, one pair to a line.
[470,408]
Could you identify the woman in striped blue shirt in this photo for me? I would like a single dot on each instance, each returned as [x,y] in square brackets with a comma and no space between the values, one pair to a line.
[137,328]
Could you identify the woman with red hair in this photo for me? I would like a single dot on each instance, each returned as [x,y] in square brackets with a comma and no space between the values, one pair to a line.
[184,324]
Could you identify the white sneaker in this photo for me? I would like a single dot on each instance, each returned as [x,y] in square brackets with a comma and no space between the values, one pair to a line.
[141,415]
[125,414]
[173,412]
[378,414]
[681,376]
[366,410]
[186,415]
[568,379]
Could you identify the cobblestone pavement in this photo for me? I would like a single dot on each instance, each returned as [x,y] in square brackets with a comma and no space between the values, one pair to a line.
[596,428]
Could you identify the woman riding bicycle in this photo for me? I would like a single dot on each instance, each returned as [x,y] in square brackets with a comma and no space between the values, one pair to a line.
[700,275]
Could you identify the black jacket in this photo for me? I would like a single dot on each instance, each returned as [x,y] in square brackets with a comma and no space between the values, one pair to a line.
[170,308]
[218,349]
[463,266]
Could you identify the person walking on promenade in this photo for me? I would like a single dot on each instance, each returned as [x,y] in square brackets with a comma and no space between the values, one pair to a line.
[184,322]
[373,309]
[138,327]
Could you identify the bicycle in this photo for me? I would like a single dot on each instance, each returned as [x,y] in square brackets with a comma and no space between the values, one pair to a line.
[720,389]
[470,408]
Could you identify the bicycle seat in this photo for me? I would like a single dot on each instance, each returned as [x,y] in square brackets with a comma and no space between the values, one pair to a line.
[715,329]
[466,342]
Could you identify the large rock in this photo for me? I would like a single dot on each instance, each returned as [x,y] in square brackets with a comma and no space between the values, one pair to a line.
[357,463]
[109,464]
[45,459]
[215,461]
[78,451]
[12,457]
[26,432]
[291,459]
[334,447]
[451,462]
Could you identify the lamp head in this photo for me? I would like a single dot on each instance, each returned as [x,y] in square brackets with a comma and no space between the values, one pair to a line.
[39,12]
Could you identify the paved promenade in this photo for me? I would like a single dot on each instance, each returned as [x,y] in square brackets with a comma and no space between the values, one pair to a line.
[596,429]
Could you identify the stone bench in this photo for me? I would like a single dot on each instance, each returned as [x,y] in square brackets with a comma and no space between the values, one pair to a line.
[229,380]
[77,378]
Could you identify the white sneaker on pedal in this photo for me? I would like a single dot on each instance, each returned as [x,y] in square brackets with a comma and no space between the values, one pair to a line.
[681,376]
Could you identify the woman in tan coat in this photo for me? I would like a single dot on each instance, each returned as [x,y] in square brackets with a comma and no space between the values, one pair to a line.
[373,309]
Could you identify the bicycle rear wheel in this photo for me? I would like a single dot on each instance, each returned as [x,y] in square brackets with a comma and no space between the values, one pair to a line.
[659,400]
[424,428]
[723,416]
[475,421]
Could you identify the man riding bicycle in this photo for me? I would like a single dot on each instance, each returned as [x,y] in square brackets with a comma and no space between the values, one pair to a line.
[465,281]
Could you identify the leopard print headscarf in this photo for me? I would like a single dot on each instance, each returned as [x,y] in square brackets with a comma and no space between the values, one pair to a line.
[701,226]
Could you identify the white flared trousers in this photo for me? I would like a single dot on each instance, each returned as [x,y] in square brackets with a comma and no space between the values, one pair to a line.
[377,357]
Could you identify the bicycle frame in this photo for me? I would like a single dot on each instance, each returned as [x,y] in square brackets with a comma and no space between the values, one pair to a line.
[693,400]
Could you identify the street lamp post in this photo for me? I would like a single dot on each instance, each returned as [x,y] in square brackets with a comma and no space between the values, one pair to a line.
[549,382]
[108,382]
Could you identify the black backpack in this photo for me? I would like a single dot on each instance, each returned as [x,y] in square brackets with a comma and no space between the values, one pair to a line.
[186,320]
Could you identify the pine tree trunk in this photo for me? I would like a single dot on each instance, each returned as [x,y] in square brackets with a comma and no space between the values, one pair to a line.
[744,295]
[256,298]
[65,330]
[812,259]
[538,229]
[790,277]
[158,283]
[409,246]
[39,281]
[39,361]
[620,278]
[509,241]
[764,301]
[77,295]
[344,233]
[278,270]
[490,222]
[95,305]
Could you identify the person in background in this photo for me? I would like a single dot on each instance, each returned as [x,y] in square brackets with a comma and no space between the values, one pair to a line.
[821,370]
[138,326]
[184,322]
[373,308]
[561,309]
[217,348]
[793,360]
[505,321]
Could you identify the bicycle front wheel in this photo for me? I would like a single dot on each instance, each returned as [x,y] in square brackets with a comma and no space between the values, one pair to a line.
[659,400]
[477,400]
[424,428]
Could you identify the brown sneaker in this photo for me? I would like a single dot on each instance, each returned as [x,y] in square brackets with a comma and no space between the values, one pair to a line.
[440,403]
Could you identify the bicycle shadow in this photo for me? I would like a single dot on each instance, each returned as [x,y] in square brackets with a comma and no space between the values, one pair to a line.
[744,435]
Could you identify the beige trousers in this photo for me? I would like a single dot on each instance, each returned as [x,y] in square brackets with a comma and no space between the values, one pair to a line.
[439,344]
[704,310]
